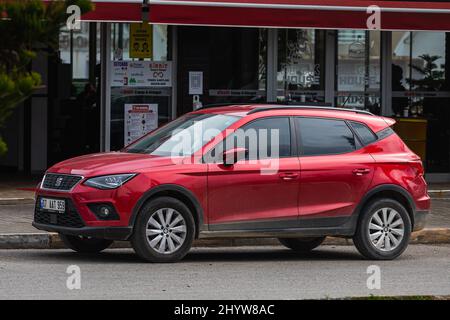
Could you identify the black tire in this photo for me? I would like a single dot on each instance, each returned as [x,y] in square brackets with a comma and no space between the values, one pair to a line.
[85,245]
[302,245]
[362,237]
[139,240]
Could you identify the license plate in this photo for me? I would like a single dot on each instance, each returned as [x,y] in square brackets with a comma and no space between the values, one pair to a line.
[53,205]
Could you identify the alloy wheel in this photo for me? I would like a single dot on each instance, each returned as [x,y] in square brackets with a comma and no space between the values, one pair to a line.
[166,231]
[386,229]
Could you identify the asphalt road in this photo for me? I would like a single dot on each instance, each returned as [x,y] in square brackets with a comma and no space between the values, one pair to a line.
[222,273]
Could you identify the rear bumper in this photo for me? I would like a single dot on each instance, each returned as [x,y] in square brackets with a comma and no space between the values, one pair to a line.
[420,218]
[110,233]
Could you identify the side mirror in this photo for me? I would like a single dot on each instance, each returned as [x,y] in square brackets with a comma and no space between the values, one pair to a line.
[233,155]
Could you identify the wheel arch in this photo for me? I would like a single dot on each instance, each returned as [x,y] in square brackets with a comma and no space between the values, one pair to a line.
[391,191]
[174,191]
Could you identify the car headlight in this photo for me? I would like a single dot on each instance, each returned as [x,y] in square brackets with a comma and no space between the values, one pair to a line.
[109,182]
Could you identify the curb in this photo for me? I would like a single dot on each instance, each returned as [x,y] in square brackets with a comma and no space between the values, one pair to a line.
[52,240]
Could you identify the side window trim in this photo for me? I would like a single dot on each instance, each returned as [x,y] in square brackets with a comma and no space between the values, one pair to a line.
[358,144]
[384,133]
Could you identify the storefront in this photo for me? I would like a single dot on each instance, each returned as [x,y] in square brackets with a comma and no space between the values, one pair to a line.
[389,59]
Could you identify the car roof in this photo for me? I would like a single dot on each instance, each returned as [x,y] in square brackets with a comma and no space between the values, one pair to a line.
[376,123]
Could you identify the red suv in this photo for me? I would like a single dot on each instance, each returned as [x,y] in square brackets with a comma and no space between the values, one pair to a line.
[297,173]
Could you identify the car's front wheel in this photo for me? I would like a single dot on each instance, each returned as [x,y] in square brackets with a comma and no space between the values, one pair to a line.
[383,230]
[302,245]
[164,230]
[85,244]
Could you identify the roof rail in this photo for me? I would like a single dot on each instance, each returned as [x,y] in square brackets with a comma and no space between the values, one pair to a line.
[309,106]
[267,104]
[264,106]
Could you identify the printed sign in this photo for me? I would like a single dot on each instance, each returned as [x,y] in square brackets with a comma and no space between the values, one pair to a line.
[139,119]
[195,82]
[141,74]
[141,41]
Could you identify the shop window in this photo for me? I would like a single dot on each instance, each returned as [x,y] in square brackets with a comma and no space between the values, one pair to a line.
[138,104]
[358,70]
[229,63]
[421,95]
[301,65]
[74,50]
[237,66]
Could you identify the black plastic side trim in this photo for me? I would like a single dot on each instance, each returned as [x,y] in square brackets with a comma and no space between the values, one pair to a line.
[299,227]
[386,187]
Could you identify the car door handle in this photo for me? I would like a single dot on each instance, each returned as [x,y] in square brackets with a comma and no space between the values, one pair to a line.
[288,176]
[361,171]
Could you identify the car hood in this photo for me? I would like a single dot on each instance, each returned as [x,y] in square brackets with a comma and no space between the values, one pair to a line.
[109,163]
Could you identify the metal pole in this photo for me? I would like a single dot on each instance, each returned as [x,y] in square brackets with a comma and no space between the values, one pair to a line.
[105,97]
[272,61]
[330,66]
[386,73]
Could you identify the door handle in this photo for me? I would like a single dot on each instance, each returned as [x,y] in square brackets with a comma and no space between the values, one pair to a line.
[361,171]
[288,176]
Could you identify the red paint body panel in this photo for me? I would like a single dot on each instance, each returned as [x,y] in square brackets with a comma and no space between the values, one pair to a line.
[329,188]
[325,186]
[242,192]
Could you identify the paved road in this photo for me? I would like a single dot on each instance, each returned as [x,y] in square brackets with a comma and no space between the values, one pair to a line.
[223,273]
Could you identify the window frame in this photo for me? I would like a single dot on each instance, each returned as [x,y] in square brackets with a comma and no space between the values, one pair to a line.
[358,144]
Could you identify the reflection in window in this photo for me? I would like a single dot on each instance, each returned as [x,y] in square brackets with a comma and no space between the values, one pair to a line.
[300,68]
[358,70]
[74,49]
[421,90]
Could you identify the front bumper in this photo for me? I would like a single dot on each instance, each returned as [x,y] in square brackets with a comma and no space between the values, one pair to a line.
[420,218]
[110,233]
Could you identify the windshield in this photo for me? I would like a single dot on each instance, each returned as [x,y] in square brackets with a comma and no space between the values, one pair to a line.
[184,136]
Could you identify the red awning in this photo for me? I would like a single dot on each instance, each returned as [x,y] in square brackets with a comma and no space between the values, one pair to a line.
[325,14]
[329,14]
[115,11]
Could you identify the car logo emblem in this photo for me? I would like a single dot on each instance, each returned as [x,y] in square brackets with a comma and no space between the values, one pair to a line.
[58,182]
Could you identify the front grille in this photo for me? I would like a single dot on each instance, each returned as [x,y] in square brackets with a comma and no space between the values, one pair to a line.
[70,218]
[61,182]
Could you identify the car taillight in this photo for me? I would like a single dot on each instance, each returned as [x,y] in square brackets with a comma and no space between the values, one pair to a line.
[418,168]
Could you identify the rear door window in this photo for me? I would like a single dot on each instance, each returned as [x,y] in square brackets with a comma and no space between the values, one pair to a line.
[320,136]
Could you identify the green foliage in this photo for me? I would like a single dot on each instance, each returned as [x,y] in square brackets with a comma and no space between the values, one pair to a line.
[433,76]
[27,26]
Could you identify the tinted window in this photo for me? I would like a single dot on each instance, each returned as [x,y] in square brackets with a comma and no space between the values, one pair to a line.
[324,136]
[366,135]
[263,138]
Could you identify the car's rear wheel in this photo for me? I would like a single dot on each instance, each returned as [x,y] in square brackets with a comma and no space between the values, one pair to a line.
[85,244]
[302,245]
[164,230]
[383,230]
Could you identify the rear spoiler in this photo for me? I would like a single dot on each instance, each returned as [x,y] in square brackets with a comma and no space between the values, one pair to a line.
[390,122]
